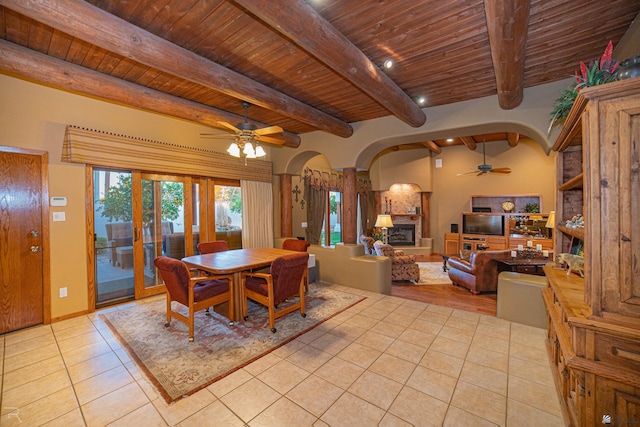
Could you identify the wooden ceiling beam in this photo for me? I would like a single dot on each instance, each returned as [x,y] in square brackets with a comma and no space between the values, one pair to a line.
[91,24]
[512,139]
[307,28]
[26,63]
[508,24]
[432,146]
[469,142]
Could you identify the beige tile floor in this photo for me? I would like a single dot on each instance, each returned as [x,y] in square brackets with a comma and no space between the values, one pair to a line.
[386,361]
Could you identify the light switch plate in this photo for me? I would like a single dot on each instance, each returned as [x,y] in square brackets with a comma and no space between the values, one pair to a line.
[59,216]
[438,163]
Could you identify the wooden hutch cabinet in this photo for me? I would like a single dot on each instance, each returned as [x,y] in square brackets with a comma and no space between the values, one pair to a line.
[594,322]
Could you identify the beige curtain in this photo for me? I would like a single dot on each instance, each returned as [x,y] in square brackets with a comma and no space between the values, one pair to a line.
[257,214]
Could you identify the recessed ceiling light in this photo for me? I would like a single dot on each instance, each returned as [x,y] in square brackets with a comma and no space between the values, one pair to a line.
[449,139]
[421,100]
[387,64]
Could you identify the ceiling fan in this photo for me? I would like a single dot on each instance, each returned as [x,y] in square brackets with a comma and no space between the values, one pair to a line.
[246,132]
[484,167]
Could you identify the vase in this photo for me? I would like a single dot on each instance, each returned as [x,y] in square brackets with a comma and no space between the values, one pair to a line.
[629,68]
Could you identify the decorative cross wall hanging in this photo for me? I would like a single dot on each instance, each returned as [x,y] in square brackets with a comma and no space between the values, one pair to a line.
[296,191]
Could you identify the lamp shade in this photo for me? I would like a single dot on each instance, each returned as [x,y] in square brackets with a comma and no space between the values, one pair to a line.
[551,221]
[260,151]
[234,150]
[384,221]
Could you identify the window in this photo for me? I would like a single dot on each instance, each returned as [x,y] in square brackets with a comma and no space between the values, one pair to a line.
[228,214]
[332,229]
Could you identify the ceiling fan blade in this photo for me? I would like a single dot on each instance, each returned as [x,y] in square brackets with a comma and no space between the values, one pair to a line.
[501,170]
[268,130]
[229,126]
[216,135]
[270,139]
[467,173]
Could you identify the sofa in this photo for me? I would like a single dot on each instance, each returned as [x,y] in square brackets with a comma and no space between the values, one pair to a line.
[478,273]
[347,264]
[403,267]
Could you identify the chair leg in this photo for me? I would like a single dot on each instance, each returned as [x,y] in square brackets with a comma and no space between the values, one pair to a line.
[166,325]
[191,321]
[272,317]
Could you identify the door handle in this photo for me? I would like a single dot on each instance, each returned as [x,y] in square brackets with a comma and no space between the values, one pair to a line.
[35,248]
[34,233]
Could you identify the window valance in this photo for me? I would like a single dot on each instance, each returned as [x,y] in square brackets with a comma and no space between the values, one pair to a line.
[332,181]
[120,151]
[326,180]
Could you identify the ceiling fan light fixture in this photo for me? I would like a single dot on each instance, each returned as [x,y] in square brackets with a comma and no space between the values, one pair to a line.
[234,150]
[387,64]
[260,151]
[248,150]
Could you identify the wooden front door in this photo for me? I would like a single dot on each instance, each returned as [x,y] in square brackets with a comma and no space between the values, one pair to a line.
[21,239]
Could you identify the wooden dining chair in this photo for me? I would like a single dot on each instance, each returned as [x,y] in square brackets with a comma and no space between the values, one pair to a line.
[286,280]
[296,245]
[195,293]
[213,247]
[299,246]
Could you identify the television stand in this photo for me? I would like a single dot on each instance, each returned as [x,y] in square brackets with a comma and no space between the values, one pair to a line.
[481,242]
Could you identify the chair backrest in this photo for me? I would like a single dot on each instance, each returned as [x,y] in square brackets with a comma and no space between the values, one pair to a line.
[368,244]
[213,246]
[383,249]
[287,272]
[295,245]
[119,230]
[175,275]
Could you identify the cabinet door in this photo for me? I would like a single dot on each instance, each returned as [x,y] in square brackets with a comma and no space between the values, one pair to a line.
[451,243]
[613,186]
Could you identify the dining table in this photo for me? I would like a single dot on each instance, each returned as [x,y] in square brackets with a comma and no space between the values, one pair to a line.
[234,262]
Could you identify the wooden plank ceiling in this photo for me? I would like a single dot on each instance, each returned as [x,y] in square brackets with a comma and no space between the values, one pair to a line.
[305,66]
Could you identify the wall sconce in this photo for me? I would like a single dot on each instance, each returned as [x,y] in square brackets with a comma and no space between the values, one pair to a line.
[384,221]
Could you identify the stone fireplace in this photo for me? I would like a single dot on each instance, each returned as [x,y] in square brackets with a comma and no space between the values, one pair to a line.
[402,235]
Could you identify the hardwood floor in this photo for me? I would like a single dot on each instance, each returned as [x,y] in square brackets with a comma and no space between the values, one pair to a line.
[446,295]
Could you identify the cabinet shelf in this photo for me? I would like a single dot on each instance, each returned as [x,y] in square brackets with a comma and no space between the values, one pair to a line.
[573,232]
[573,183]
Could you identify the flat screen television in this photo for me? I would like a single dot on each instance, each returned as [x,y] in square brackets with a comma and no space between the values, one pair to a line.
[488,224]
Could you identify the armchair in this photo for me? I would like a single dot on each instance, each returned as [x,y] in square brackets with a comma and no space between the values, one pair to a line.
[196,293]
[119,235]
[403,267]
[286,280]
[479,273]
[368,244]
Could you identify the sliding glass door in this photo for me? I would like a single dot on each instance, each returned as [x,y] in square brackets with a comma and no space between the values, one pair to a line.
[138,217]
[113,236]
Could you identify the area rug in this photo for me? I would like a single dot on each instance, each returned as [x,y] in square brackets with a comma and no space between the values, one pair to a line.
[179,368]
[431,273]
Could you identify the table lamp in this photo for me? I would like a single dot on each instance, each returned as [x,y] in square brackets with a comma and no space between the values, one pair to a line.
[551,221]
[384,221]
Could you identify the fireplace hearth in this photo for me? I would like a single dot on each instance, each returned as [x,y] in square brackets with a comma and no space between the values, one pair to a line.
[402,235]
